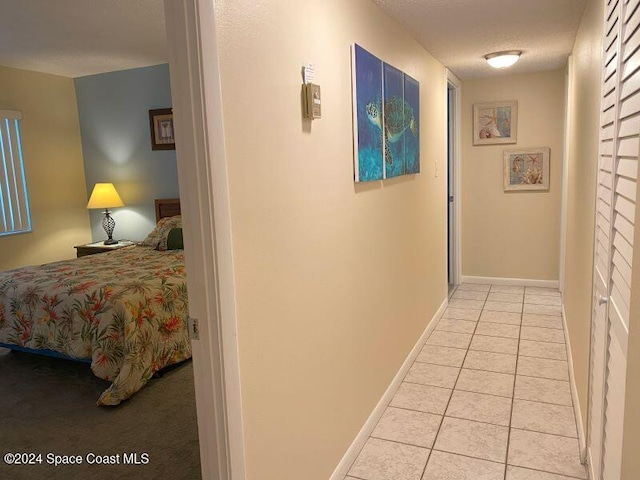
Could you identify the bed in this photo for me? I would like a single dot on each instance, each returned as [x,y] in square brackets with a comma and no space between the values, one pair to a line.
[125,312]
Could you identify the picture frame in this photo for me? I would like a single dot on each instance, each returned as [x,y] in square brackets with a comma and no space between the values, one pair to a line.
[526,169]
[495,123]
[161,128]
[386,119]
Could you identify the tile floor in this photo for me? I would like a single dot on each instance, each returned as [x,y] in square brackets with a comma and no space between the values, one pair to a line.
[487,398]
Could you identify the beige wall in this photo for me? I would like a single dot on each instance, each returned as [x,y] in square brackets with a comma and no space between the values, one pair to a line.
[335,281]
[584,95]
[512,234]
[631,439]
[53,165]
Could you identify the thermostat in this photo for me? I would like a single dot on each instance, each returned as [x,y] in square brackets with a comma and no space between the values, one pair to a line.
[312,100]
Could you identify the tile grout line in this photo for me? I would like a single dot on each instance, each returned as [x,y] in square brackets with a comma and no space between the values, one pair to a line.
[571,477]
[545,433]
[495,371]
[500,463]
[467,456]
[497,322]
[513,401]
[432,449]
[527,339]
[480,393]
[444,414]
[480,421]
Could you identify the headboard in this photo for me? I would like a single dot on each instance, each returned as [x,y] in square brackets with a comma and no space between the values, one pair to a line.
[167,207]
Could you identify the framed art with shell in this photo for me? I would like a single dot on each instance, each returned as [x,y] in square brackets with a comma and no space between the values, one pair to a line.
[495,123]
[526,169]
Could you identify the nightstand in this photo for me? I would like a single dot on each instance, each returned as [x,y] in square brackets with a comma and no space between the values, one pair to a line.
[99,247]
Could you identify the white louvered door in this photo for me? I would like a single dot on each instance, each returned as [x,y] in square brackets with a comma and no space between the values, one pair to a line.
[613,254]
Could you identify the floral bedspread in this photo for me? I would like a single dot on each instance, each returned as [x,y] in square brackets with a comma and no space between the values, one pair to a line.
[126,310]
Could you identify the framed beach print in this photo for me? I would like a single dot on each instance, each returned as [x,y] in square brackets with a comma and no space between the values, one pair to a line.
[161,125]
[526,169]
[495,123]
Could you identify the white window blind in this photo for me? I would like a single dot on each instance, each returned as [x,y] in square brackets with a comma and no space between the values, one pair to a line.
[14,201]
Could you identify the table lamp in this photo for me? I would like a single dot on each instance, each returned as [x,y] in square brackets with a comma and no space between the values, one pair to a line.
[104,195]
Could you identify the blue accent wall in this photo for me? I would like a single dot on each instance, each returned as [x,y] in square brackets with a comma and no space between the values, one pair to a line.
[116,145]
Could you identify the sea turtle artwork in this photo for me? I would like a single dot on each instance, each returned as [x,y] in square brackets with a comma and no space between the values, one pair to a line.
[386,119]
[398,117]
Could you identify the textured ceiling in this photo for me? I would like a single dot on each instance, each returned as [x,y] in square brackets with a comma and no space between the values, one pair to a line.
[74,38]
[83,37]
[460,32]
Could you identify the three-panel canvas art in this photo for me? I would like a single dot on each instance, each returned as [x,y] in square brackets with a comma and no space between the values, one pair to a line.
[386,114]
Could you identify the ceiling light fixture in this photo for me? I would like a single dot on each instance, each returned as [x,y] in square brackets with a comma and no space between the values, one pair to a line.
[503,59]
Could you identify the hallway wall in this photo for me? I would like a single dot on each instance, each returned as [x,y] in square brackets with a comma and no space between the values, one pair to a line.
[582,144]
[512,234]
[335,281]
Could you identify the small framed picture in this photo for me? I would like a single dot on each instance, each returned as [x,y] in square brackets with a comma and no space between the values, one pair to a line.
[495,123]
[526,169]
[161,125]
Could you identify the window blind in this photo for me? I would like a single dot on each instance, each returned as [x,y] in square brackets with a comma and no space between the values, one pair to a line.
[14,201]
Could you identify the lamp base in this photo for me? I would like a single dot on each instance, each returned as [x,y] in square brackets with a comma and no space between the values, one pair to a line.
[108,223]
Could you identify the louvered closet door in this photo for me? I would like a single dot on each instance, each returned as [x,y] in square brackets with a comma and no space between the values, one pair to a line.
[613,256]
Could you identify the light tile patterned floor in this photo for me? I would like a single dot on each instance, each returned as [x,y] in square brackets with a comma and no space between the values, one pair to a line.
[488,397]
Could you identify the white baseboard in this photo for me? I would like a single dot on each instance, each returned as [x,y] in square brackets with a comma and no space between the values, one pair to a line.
[582,440]
[520,282]
[358,443]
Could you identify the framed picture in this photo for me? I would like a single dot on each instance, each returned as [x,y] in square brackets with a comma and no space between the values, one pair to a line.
[495,123]
[368,143]
[526,169]
[386,119]
[161,125]
[412,133]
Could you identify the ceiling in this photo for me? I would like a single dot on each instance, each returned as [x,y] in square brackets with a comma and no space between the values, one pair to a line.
[459,33]
[75,38]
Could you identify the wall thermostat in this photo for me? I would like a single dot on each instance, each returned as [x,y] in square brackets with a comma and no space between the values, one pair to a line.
[312,100]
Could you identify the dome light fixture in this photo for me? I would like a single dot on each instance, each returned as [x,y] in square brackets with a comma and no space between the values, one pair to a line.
[503,59]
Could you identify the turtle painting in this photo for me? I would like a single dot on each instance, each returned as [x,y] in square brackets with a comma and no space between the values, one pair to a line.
[398,116]
[386,119]
[412,141]
[367,92]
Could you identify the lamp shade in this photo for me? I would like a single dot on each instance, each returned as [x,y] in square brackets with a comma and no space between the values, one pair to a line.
[104,195]
[503,59]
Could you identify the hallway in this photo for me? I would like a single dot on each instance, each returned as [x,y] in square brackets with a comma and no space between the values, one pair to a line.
[487,398]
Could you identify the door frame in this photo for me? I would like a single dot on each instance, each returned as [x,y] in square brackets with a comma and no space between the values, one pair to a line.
[454,257]
[568,126]
[202,176]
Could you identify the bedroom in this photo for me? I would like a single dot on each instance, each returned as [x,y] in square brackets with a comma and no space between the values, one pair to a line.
[79,129]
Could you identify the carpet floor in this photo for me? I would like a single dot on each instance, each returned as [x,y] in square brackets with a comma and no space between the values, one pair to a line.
[48,407]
